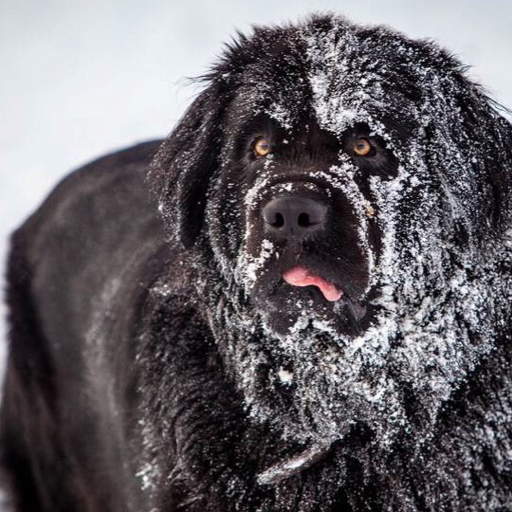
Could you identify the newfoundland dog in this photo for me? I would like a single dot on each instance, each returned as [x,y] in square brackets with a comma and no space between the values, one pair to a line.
[299,301]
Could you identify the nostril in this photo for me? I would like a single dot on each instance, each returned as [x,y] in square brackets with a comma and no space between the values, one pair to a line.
[303,220]
[278,220]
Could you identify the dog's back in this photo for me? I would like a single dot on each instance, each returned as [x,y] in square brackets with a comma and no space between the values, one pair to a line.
[78,269]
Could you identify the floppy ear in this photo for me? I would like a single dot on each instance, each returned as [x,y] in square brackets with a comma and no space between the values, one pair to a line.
[497,150]
[492,145]
[181,170]
[479,139]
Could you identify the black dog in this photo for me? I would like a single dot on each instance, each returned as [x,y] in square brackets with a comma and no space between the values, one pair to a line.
[322,320]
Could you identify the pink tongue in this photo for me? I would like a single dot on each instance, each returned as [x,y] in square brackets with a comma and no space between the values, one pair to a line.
[300,276]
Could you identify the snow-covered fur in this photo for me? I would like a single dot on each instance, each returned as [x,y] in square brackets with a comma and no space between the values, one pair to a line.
[215,383]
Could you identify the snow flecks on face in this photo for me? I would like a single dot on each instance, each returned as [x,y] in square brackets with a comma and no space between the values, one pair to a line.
[341,178]
[252,266]
[332,62]
[434,287]
[282,115]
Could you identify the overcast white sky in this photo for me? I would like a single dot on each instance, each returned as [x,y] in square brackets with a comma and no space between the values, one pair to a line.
[79,78]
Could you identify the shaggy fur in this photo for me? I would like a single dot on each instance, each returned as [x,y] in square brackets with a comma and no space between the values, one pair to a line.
[161,359]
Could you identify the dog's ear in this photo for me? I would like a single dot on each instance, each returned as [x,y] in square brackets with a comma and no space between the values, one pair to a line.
[181,170]
[496,150]
[472,138]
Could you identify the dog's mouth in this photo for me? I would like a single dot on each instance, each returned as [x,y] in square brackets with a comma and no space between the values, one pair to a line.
[301,276]
[291,282]
[293,292]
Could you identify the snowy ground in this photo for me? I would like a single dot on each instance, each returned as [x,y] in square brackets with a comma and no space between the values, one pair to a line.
[81,77]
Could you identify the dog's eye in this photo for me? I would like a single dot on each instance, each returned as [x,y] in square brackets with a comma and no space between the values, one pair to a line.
[362,147]
[262,147]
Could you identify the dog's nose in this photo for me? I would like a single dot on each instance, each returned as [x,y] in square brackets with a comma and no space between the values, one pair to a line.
[294,217]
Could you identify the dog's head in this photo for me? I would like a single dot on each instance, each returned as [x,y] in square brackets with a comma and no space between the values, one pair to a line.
[351,189]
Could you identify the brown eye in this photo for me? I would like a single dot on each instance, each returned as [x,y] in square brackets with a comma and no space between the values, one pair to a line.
[262,147]
[362,147]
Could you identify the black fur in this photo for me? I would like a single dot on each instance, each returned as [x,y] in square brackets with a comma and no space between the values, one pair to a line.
[167,366]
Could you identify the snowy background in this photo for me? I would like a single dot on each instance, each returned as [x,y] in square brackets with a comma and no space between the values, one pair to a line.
[79,78]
